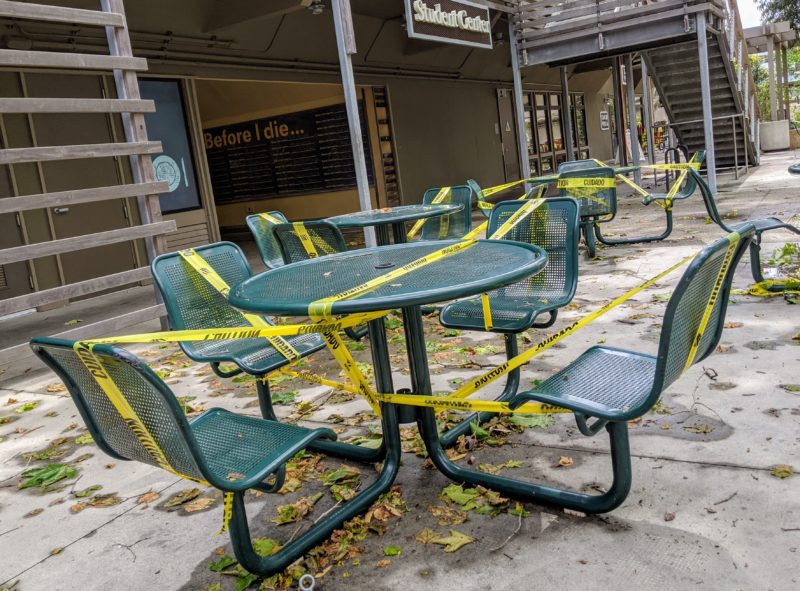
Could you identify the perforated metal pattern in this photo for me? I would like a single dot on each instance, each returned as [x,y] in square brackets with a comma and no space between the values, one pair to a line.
[485,265]
[449,226]
[515,307]
[148,403]
[265,239]
[325,236]
[688,311]
[601,202]
[609,381]
[576,165]
[391,215]
[239,445]
[193,303]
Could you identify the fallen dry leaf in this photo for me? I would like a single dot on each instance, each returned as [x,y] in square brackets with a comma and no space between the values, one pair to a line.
[564,461]
[383,563]
[198,504]
[148,498]
[56,387]
[733,324]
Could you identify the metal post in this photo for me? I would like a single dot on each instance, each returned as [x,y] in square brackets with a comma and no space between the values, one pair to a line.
[647,116]
[346,44]
[746,148]
[785,83]
[519,105]
[705,92]
[746,95]
[634,133]
[618,118]
[771,69]
[566,115]
[735,149]
[739,66]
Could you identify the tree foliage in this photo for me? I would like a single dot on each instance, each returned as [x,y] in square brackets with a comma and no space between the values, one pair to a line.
[773,11]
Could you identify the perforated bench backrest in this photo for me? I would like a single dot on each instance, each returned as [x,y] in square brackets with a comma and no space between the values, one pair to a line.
[326,237]
[690,184]
[593,202]
[553,226]
[688,304]
[265,238]
[577,165]
[454,225]
[146,394]
[191,301]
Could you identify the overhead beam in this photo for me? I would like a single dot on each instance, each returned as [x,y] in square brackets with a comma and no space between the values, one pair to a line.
[227,13]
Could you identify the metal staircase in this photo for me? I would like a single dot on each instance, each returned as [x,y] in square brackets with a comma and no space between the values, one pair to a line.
[665,34]
[676,74]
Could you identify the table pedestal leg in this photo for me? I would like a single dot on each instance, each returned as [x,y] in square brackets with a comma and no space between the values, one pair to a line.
[417,360]
[399,233]
[382,235]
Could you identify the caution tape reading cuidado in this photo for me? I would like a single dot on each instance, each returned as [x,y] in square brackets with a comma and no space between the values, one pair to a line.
[443,194]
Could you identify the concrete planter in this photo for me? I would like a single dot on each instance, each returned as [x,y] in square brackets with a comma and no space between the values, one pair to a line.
[774,135]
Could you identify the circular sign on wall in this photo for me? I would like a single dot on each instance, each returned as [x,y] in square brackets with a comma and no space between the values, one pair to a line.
[166,169]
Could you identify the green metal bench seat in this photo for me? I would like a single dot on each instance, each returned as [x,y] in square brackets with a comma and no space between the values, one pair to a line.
[230,452]
[761,225]
[554,227]
[450,226]
[596,206]
[606,387]
[516,308]
[261,229]
[573,165]
[192,303]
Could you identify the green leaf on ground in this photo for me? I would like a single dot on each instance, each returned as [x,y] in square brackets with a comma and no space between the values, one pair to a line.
[283,398]
[532,421]
[84,439]
[221,564]
[28,406]
[454,541]
[781,471]
[88,492]
[791,387]
[458,494]
[266,546]
[46,476]
[392,551]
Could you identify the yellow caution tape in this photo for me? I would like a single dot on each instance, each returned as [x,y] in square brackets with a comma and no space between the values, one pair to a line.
[448,402]
[485,205]
[227,511]
[733,239]
[598,183]
[476,383]
[305,239]
[516,218]
[482,228]
[241,332]
[636,187]
[770,288]
[489,191]
[304,375]
[271,219]
[350,367]
[322,307]
[199,264]
[674,166]
[440,197]
[487,312]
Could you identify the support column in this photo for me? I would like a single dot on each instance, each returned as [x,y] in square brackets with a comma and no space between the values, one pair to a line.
[631,100]
[773,107]
[346,45]
[739,66]
[618,116]
[519,105]
[566,115]
[785,83]
[647,113]
[705,93]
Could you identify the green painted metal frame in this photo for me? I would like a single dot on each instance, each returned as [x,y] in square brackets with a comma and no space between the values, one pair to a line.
[571,234]
[239,528]
[613,422]
[589,221]
[761,225]
[459,194]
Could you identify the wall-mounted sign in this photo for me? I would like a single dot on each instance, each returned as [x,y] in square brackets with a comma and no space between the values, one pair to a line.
[604,121]
[290,154]
[168,125]
[449,21]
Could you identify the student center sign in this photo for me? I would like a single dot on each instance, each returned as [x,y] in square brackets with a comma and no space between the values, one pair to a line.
[449,21]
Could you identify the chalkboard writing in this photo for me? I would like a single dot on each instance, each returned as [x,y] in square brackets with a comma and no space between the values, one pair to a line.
[291,154]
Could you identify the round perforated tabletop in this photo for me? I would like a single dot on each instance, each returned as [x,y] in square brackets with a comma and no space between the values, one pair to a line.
[393,215]
[485,265]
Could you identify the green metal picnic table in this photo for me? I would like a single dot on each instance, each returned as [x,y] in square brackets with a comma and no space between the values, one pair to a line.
[794,168]
[481,267]
[396,217]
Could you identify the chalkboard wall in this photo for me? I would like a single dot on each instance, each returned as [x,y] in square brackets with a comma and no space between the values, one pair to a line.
[290,154]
